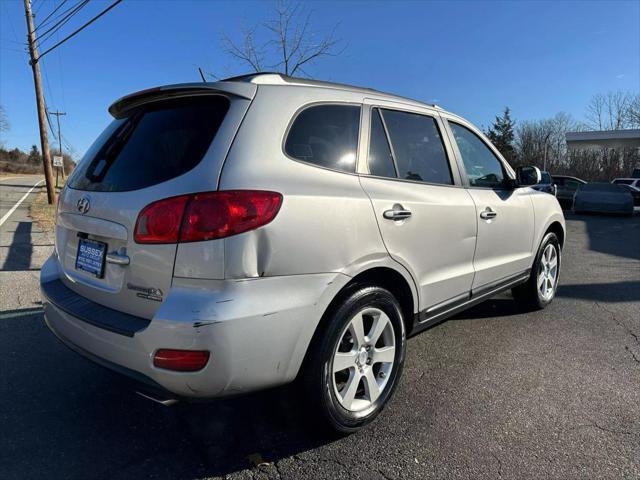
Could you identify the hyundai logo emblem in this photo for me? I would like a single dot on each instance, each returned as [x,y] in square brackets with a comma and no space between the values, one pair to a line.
[83,205]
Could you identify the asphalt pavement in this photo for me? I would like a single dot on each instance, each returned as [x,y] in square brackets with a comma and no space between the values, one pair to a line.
[492,393]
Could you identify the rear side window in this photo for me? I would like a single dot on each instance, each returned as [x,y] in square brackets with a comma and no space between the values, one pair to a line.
[623,181]
[417,147]
[154,143]
[327,136]
[380,158]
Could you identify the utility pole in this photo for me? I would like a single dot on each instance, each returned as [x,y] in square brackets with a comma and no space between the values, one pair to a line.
[57,114]
[44,138]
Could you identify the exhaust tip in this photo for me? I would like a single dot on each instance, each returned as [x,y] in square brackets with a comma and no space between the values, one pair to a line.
[167,402]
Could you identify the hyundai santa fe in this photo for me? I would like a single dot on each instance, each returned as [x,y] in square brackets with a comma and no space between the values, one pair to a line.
[221,238]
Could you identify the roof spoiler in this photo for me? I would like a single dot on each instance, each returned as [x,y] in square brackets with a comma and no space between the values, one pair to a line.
[120,107]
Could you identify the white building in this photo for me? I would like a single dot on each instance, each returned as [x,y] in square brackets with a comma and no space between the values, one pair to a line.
[597,140]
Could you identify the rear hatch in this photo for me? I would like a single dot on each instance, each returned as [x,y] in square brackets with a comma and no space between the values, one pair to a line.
[162,143]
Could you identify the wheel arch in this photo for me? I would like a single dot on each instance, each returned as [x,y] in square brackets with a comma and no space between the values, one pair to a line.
[386,277]
[557,228]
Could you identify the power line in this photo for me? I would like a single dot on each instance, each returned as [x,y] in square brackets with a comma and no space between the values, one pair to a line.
[49,16]
[13,31]
[81,28]
[74,10]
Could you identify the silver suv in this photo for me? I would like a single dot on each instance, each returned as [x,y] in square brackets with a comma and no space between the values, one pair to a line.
[221,238]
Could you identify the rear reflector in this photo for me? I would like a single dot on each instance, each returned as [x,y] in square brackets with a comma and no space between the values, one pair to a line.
[181,360]
[206,216]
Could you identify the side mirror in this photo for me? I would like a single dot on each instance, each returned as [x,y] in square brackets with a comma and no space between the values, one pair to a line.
[527,176]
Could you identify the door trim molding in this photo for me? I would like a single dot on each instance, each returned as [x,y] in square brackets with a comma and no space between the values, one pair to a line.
[440,312]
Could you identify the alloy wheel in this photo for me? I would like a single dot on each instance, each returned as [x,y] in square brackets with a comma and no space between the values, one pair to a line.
[363,359]
[548,272]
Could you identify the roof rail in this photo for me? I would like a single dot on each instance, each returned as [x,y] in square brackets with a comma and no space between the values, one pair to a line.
[276,78]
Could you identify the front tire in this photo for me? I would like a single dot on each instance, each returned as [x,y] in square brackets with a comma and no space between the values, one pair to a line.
[540,289]
[355,362]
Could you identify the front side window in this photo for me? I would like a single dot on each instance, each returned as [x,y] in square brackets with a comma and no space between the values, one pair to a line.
[482,166]
[327,136]
[417,147]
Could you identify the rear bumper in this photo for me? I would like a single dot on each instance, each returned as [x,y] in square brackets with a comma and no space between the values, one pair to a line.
[257,331]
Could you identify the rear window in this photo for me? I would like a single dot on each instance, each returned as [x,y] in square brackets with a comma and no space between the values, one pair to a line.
[154,143]
[327,136]
[623,181]
[603,187]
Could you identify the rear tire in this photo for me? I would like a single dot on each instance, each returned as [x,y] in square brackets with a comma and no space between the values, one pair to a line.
[355,362]
[540,289]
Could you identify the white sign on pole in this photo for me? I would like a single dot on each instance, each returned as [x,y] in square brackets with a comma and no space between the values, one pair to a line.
[57,161]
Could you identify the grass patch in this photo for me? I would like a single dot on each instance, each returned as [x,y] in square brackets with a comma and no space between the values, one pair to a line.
[41,212]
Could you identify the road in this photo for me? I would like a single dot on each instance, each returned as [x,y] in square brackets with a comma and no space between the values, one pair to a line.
[492,393]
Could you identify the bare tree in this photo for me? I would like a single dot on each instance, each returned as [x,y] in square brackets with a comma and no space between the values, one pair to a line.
[4,122]
[285,43]
[613,111]
[633,113]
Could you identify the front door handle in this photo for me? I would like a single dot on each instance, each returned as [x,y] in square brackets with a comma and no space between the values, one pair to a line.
[488,213]
[398,212]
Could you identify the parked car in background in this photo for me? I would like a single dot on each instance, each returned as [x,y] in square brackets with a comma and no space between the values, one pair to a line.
[635,193]
[566,188]
[634,182]
[603,198]
[546,184]
[296,229]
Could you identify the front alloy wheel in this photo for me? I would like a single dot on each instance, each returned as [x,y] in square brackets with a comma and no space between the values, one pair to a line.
[540,288]
[548,272]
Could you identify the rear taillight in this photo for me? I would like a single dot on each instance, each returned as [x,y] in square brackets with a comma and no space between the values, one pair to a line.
[205,216]
[181,360]
[159,222]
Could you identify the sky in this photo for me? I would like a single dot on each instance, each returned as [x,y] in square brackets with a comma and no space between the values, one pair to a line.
[471,57]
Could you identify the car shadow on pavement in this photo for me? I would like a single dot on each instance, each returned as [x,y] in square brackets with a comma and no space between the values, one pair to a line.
[613,235]
[20,251]
[628,291]
[63,414]
[503,306]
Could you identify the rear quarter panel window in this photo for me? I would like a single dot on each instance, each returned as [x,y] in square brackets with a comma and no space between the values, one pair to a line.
[326,135]
[154,143]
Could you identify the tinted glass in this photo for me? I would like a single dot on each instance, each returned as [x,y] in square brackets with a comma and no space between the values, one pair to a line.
[603,187]
[482,166]
[154,143]
[326,135]
[417,147]
[546,178]
[626,182]
[380,159]
[571,184]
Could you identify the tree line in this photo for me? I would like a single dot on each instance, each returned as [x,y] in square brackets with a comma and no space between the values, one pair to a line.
[17,161]
[543,142]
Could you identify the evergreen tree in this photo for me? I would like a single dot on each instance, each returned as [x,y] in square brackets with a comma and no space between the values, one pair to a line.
[34,155]
[501,134]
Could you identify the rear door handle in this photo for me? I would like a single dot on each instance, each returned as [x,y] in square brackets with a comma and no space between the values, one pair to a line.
[488,213]
[398,212]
